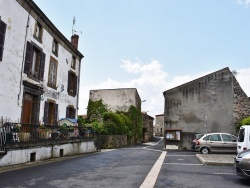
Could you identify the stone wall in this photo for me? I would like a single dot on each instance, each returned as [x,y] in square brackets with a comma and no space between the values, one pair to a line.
[117,99]
[241,103]
[206,100]
[159,125]
[113,141]
[212,103]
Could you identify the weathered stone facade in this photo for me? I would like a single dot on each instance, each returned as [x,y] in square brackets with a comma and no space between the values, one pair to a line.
[241,102]
[113,141]
[147,127]
[39,67]
[159,125]
[215,100]
[117,99]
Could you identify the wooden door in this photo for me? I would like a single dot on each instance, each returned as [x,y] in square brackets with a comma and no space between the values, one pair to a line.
[27,109]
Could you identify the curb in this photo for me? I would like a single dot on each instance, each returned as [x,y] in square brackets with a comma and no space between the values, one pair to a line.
[214,161]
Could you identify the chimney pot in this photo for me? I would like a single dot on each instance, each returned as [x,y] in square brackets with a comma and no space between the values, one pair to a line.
[74,40]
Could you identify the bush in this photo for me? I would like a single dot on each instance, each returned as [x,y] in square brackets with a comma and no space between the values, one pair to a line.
[245,121]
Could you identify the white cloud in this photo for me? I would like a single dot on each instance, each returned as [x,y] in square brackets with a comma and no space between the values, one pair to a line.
[244,2]
[151,82]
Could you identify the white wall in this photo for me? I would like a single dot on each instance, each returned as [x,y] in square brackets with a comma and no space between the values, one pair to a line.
[42,153]
[115,99]
[11,72]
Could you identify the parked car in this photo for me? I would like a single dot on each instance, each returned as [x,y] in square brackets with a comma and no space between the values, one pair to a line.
[216,142]
[243,138]
[242,164]
[195,140]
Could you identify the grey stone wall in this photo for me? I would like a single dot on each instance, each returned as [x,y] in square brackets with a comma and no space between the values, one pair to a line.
[159,125]
[241,104]
[117,99]
[113,141]
[212,97]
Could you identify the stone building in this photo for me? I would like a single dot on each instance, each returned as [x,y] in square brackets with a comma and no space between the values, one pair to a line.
[212,103]
[39,66]
[147,127]
[120,100]
[117,99]
[159,125]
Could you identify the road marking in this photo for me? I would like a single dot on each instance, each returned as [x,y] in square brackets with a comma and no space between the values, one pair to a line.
[181,155]
[224,174]
[183,164]
[151,178]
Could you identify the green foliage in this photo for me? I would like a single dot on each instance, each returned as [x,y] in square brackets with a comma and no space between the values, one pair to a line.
[81,121]
[95,111]
[110,123]
[136,121]
[116,124]
[99,128]
[245,121]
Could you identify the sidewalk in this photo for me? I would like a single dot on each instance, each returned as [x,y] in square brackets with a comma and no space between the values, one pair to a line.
[217,159]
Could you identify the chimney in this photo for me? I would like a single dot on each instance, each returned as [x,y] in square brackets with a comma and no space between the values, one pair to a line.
[74,40]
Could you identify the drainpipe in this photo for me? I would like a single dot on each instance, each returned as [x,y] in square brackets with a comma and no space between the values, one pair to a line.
[24,47]
[78,89]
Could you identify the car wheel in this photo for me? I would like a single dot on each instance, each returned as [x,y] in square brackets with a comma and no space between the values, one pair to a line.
[204,150]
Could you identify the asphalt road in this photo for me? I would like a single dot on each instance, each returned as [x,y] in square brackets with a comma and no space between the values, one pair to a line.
[125,168]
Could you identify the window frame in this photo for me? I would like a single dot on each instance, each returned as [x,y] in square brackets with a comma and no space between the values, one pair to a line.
[48,113]
[55,47]
[70,112]
[55,62]
[72,83]
[40,34]
[37,74]
[3,27]
[73,62]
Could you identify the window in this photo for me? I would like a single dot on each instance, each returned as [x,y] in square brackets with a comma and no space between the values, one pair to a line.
[72,83]
[55,47]
[2,37]
[70,112]
[34,62]
[241,136]
[52,73]
[38,32]
[73,62]
[206,137]
[227,137]
[50,113]
[215,137]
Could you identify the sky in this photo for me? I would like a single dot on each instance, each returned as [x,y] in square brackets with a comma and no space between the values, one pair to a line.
[154,45]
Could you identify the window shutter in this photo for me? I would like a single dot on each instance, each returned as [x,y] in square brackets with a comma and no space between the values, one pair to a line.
[2,36]
[56,114]
[74,113]
[42,64]
[46,112]
[28,57]
[75,86]
[67,112]
[69,81]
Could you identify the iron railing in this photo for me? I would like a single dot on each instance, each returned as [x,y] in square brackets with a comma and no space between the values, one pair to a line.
[16,135]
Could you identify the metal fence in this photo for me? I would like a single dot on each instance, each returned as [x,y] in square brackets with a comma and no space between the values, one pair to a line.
[24,135]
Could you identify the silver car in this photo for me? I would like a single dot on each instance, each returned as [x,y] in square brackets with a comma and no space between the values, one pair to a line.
[216,142]
[242,164]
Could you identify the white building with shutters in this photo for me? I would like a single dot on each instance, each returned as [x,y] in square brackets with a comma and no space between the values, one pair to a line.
[39,66]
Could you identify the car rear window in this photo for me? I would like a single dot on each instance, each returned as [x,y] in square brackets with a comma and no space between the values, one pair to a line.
[241,135]
[206,137]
